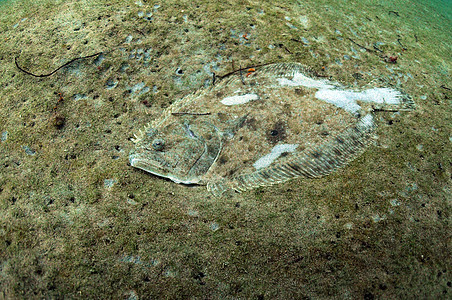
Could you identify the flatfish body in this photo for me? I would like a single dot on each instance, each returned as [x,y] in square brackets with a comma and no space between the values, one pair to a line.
[260,128]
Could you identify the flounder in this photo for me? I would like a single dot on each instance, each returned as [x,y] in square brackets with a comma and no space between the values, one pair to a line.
[271,125]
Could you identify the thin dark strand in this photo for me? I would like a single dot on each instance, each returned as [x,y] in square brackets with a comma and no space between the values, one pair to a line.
[394,13]
[57,69]
[378,49]
[241,76]
[288,51]
[361,46]
[241,69]
[400,43]
[189,113]
[384,57]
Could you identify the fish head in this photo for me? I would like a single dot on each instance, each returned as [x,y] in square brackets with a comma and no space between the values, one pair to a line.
[182,151]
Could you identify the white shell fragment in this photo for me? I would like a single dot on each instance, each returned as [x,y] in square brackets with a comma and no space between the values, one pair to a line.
[278,123]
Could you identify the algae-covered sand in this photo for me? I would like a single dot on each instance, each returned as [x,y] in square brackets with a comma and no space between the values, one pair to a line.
[78,221]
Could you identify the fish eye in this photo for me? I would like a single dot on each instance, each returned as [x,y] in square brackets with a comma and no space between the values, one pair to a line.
[158,144]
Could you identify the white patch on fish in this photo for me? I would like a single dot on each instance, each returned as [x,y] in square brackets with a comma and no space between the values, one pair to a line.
[347,99]
[344,99]
[242,99]
[300,79]
[276,152]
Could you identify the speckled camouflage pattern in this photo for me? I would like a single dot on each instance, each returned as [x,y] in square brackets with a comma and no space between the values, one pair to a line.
[260,128]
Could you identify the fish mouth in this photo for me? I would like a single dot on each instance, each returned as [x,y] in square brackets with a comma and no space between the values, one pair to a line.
[144,164]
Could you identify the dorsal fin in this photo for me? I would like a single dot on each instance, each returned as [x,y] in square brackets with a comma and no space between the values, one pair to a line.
[316,162]
[285,69]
